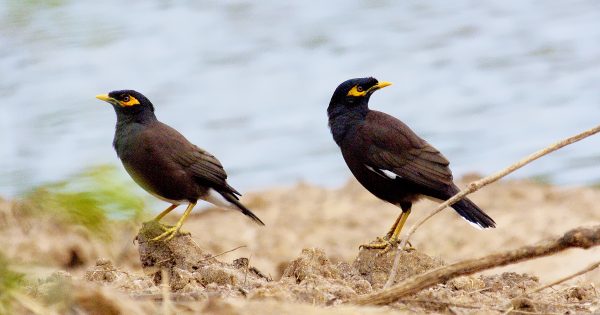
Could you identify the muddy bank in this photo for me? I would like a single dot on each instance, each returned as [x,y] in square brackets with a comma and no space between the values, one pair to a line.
[306,260]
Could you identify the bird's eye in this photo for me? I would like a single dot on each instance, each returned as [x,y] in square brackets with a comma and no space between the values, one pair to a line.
[359,88]
[126,98]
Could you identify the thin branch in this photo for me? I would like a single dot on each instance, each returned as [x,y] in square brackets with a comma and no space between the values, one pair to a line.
[476,185]
[578,273]
[30,304]
[446,303]
[534,313]
[567,278]
[579,237]
[190,296]
[223,253]
[246,271]
[167,307]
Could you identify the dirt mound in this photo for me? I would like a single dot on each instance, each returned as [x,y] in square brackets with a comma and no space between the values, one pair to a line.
[306,260]
[312,278]
[189,268]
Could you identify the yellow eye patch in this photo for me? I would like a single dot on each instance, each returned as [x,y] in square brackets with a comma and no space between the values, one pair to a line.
[359,91]
[355,91]
[131,102]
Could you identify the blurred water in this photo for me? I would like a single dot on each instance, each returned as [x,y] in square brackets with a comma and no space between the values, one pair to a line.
[485,82]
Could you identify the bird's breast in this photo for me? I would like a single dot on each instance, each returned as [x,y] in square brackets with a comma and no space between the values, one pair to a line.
[343,128]
[151,165]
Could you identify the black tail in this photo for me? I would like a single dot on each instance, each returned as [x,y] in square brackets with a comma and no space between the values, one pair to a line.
[231,198]
[472,213]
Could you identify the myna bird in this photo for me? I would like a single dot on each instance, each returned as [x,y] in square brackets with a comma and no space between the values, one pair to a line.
[165,163]
[389,159]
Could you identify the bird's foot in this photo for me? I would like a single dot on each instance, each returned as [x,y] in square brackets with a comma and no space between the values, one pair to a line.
[379,243]
[385,244]
[169,232]
[168,229]
[164,227]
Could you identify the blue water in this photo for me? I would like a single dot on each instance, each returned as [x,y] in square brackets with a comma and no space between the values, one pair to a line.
[485,82]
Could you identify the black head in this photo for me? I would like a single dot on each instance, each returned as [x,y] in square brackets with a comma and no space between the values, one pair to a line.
[127,102]
[353,95]
[350,104]
[357,90]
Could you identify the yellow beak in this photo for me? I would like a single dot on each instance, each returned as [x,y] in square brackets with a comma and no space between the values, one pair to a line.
[103,97]
[379,85]
[382,84]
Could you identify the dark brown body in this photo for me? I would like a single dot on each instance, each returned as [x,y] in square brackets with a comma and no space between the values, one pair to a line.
[163,161]
[382,130]
[387,157]
[142,150]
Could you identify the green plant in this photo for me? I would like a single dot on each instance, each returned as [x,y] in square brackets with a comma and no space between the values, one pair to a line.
[10,282]
[92,199]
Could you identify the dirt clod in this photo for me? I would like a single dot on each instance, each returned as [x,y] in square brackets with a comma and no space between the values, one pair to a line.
[524,305]
[311,263]
[375,268]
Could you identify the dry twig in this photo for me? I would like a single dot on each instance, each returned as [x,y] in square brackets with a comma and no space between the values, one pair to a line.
[476,185]
[579,237]
[567,278]
[31,304]
[177,297]
[223,253]
[166,293]
[446,303]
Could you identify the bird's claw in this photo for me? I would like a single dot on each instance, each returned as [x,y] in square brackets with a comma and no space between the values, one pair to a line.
[165,227]
[379,243]
[169,233]
[385,244]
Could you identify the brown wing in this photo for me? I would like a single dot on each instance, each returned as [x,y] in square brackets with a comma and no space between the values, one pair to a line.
[203,166]
[396,148]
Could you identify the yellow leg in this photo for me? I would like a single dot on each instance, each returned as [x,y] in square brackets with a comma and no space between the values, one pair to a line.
[171,232]
[393,228]
[402,219]
[391,238]
[165,212]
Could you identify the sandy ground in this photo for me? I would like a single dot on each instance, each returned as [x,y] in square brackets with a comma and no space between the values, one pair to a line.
[311,240]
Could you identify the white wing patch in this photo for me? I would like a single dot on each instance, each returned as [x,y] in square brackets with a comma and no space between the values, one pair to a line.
[389,174]
[475,225]
[383,173]
[216,199]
